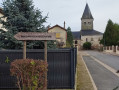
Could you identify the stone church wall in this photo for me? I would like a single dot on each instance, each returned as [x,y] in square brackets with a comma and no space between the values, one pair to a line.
[95,40]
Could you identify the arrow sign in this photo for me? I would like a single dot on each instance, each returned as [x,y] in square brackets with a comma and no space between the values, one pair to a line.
[24,36]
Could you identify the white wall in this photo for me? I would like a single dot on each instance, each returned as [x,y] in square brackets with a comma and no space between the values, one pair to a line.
[95,42]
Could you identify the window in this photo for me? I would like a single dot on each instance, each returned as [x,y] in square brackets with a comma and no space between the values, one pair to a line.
[84,23]
[89,23]
[91,39]
[57,35]
[99,39]
[86,39]
[76,42]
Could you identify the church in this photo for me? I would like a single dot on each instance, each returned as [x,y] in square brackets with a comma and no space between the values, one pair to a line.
[87,32]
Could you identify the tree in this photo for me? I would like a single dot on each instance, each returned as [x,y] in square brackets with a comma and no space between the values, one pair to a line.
[21,17]
[111,34]
[69,42]
[87,45]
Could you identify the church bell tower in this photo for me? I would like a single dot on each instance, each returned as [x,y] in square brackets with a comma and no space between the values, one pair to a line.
[87,19]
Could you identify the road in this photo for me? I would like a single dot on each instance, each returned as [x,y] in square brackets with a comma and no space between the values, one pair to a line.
[111,60]
[103,78]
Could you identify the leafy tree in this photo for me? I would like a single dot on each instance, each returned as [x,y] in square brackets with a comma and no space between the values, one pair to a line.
[21,17]
[87,45]
[111,34]
[69,42]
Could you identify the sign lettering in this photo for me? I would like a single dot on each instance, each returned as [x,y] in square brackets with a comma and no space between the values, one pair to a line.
[35,36]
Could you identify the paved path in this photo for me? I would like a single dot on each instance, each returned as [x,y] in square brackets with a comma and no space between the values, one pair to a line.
[103,78]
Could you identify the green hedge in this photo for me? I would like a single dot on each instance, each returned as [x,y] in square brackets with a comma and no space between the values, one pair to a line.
[31,74]
[87,45]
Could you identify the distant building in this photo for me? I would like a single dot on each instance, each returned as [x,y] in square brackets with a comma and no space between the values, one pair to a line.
[87,32]
[61,34]
[1,14]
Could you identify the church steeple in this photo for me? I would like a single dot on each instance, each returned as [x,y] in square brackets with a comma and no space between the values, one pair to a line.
[87,19]
[87,13]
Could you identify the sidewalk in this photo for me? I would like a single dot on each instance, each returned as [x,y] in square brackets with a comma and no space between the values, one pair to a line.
[111,53]
[83,78]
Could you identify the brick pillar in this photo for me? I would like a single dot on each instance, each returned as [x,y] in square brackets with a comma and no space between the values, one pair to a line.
[112,48]
[109,47]
[105,47]
[116,48]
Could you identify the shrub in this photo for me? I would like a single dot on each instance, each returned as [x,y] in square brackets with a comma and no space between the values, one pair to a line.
[87,45]
[31,74]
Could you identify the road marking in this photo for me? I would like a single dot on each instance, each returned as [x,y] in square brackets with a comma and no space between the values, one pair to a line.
[105,65]
[93,83]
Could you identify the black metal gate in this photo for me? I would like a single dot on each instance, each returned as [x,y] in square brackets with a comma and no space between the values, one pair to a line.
[61,67]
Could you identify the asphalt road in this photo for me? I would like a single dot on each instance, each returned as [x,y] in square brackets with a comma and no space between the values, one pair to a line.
[103,78]
[110,60]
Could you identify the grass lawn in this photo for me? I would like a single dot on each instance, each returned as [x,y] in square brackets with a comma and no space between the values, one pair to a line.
[83,79]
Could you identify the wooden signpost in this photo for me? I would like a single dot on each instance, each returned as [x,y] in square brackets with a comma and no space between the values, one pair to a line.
[26,36]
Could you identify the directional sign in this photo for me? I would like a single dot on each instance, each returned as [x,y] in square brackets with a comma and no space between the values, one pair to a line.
[35,36]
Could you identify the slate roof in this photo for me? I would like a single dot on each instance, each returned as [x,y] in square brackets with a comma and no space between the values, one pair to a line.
[78,34]
[90,32]
[87,13]
[1,11]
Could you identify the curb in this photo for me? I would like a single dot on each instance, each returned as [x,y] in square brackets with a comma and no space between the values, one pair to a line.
[93,83]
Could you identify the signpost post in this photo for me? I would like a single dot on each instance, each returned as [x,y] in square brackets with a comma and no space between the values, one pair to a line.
[24,50]
[28,36]
[45,50]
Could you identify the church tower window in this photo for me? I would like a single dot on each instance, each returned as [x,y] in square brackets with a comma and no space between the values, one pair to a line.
[89,23]
[87,19]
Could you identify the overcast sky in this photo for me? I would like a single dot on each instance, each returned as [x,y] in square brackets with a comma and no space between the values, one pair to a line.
[71,12]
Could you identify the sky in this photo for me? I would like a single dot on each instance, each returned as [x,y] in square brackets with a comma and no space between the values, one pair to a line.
[71,12]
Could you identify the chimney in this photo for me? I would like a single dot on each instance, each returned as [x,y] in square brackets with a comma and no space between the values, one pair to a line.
[48,27]
[64,24]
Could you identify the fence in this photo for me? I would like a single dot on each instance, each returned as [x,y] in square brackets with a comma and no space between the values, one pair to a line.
[111,49]
[61,67]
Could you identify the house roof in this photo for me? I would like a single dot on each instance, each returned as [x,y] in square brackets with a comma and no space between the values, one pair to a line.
[90,32]
[1,11]
[87,13]
[56,26]
[76,35]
